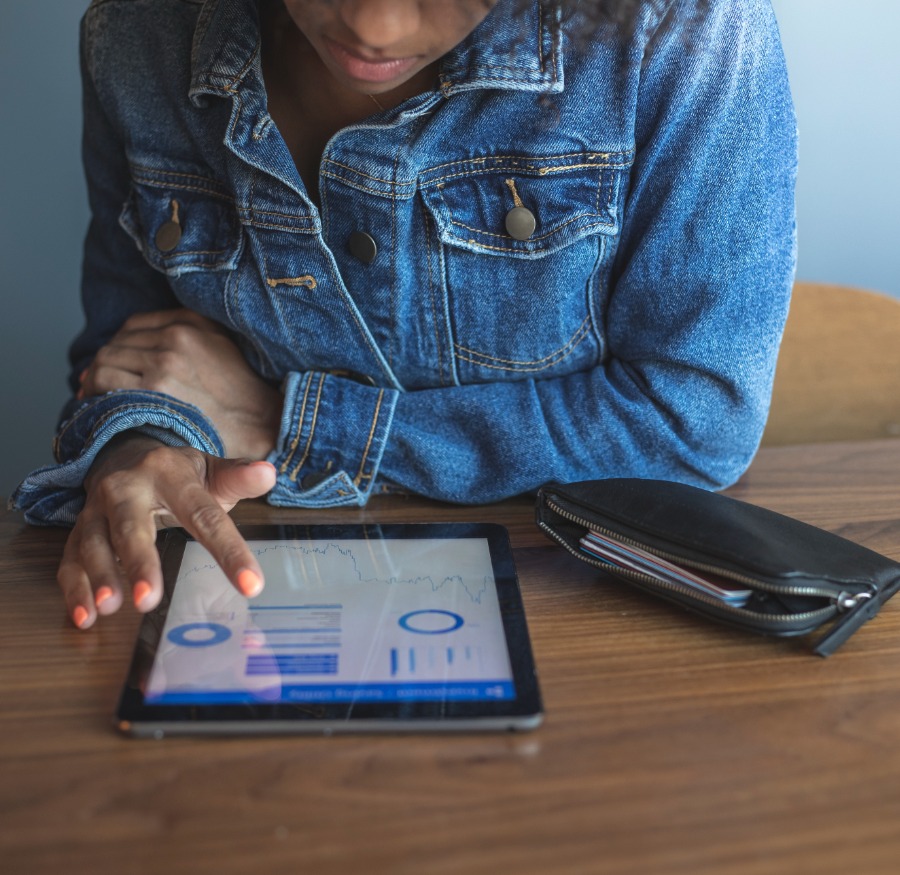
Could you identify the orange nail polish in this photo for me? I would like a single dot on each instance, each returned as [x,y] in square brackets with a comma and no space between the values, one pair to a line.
[141,591]
[250,583]
[102,595]
[80,616]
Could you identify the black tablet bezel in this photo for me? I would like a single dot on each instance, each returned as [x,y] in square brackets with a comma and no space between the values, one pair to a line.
[136,717]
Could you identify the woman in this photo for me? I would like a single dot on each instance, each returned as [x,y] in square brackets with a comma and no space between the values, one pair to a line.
[458,249]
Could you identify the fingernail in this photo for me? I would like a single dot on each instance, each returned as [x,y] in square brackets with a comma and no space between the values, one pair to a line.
[250,583]
[142,589]
[102,595]
[80,616]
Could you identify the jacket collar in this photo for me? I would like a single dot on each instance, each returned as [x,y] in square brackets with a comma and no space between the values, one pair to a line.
[511,51]
[517,48]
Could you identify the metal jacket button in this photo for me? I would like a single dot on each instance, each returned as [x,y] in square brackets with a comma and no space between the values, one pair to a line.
[168,236]
[520,223]
[363,246]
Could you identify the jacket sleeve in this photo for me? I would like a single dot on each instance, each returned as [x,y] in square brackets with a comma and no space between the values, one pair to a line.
[700,288]
[116,282]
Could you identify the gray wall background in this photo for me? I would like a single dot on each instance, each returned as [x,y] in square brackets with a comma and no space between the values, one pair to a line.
[845,70]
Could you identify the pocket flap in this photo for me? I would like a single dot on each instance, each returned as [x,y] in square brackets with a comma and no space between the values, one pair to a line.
[181,222]
[567,196]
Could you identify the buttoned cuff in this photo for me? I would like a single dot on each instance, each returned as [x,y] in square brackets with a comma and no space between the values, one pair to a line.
[333,435]
[53,495]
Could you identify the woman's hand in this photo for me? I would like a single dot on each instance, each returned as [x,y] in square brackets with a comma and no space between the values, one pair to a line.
[193,359]
[135,482]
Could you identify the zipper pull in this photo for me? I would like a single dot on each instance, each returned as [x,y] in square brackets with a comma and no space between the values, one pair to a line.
[859,608]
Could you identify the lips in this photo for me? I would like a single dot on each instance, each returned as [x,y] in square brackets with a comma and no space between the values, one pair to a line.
[365,69]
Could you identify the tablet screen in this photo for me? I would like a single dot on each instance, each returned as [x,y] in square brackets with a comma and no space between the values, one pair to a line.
[378,623]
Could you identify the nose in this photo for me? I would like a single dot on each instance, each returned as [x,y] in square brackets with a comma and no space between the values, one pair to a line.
[379,24]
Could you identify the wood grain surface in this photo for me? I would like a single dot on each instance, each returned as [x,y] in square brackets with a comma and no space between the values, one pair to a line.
[671,745]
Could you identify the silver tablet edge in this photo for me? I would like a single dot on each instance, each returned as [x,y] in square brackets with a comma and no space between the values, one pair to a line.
[329,727]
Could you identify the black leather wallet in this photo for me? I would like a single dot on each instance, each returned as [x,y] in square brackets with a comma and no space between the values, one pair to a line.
[730,560]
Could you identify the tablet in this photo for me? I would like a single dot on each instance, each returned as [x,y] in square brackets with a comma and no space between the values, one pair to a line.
[359,628]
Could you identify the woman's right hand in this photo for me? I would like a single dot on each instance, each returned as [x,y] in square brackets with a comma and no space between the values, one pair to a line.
[134,483]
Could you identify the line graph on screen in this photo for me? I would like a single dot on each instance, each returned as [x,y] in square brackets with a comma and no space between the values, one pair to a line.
[317,566]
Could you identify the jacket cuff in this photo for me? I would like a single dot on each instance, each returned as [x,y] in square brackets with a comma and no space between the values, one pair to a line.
[333,435]
[53,495]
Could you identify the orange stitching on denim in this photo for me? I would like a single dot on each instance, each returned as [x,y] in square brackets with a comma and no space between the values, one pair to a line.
[156,171]
[312,431]
[393,183]
[183,252]
[551,233]
[307,281]
[230,87]
[573,341]
[564,354]
[257,212]
[566,167]
[181,187]
[529,163]
[272,226]
[300,418]
[369,189]
[360,476]
[249,213]
[481,245]
[439,181]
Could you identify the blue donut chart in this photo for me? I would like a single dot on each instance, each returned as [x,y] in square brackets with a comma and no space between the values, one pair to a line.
[179,635]
[407,622]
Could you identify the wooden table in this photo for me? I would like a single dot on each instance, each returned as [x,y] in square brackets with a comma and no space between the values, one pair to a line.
[670,745]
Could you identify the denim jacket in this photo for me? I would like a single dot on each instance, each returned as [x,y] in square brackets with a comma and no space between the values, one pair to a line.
[632,331]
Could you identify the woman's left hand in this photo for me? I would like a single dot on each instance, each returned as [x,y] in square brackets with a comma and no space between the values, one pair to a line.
[192,358]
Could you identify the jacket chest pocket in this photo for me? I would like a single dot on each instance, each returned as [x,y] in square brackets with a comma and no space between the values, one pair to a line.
[186,227]
[519,250]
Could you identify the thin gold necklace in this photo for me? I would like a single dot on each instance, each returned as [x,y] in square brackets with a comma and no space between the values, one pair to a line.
[375,101]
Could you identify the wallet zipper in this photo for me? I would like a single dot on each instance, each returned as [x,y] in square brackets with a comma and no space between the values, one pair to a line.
[843,602]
